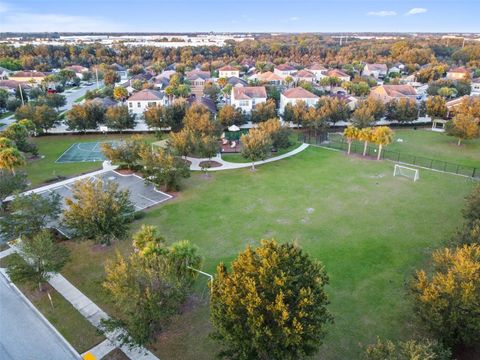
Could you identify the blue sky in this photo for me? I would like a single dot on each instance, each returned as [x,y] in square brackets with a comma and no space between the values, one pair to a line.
[237,15]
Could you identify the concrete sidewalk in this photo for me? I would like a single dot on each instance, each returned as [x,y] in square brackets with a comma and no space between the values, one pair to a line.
[226,165]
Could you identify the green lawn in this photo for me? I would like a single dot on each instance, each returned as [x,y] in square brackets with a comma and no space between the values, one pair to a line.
[370,229]
[51,147]
[63,316]
[438,146]
[80,99]
[5,114]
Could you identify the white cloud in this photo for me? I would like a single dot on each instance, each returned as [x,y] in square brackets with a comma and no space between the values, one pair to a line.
[382,13]
[294,18]
[29,22]
[416,11]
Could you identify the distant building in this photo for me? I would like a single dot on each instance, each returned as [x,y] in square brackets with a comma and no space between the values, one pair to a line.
[78,70]
[304,75]
[284,70]
[269,78]
[228,71]
[343,76]
[197,80]
[318,70]
[294,95]
[378,71]
[28,76]
[459,73]
[140,101]
[246,98]
[386,93]
[12,85]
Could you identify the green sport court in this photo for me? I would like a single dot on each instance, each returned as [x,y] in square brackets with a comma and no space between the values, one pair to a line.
[84,152]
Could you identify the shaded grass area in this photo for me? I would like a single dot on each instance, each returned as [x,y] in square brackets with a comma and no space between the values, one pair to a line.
[370,229]
[434,145]
[63,316]
[51,147]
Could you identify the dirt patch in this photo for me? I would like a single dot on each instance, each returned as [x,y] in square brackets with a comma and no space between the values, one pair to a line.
[115,354]
[210,164]
[187,162]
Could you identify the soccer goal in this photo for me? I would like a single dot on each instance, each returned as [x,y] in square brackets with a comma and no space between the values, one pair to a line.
[401,170]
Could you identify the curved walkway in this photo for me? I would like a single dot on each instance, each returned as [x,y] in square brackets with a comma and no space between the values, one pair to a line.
[226,165]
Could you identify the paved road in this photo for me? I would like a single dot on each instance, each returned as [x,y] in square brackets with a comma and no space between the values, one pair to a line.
[75,94]
[23,334]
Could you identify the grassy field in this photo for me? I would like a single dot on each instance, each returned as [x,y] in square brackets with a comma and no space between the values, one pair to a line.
[63,316]
[435,145]
[370,229]
[51,147]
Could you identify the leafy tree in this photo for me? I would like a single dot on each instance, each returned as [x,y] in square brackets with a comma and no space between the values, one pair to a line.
[3,99]
[43,116]
[126,153]
[365,135]
[86,116]
[402,110]
[279,135]
[110,77]
[212,91]
[470,232]
[229,115]
[164,169]
[264,111]
[183,141]
[256,145]
[350,133]
[333,109]
[436,107]
[409,350]
[150,285]
[119,118]
[276,311]
[447,301]
[463,127]
[55,100]
[382,136]
[362,117]
[208,148]
[199,121]
[40,258]
[120,93]
[11,184]
[19,135]
[29,214]
[98,211]
[10,158]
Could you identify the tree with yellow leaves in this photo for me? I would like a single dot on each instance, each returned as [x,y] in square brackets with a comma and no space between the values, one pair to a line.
[256,145]
[350,133]
[464,126]
[448,300]
[271,305]
[365,135]
[382,136]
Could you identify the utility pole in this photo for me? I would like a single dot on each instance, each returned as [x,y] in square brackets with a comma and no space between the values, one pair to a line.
[21,93]
[96,74]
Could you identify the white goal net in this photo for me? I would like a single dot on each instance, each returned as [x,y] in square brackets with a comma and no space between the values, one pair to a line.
[411,173]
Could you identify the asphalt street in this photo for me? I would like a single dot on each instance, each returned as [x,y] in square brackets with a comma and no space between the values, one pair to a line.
[23,334]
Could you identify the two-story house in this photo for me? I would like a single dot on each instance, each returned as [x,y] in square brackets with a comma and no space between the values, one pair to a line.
[246,98]
[284,70]
[228,71]
[386,93]
[294,95]
[140,101]
[197,80]
[378,71]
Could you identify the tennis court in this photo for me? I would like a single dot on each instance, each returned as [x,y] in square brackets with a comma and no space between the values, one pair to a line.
[142,194]
[84,152]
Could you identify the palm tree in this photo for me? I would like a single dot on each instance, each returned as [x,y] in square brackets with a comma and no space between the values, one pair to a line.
[382,136]
[10,158]
[365,135]
[350,133]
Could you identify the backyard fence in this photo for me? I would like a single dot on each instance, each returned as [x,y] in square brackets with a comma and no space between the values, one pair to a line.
[421,161]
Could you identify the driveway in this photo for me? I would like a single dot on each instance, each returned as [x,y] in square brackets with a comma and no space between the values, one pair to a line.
[23,334]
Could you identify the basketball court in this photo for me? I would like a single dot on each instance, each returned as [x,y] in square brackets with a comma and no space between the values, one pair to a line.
[84,152]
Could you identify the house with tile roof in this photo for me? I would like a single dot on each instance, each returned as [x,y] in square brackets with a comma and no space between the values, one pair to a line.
[378,71]
[304,75]
[140,101]
[343,76]
[78,70]
[386,93]
[294,95]
[28,76]
[228,71]
[269,78]
[459,73]
[284,70]
[237,82]
[247,97]
[197,80]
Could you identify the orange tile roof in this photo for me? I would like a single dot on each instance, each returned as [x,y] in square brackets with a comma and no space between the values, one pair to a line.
[249,92]
[299,93]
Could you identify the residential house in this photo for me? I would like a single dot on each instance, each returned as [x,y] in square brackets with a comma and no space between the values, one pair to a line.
[453,104]
[78,70]
[140,101]
[247,97]
[228,71]
[378,71]
[304,75]
[294,95]
[106,102]
[350,100]
[343,76]
[206,102]
[386,93]
[269,78]
[284,70]
[318,70]
[475,86]
[160,82]
[11,85]
[197,80]
[122,71]
[459,73]
[28,76]
[237,82]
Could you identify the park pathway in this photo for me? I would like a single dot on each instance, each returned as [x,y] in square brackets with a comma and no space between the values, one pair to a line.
[226,165]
